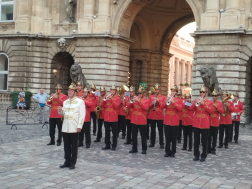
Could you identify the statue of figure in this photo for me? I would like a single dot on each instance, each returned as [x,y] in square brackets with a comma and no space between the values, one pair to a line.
[70,10]
[77,75]
[208,75]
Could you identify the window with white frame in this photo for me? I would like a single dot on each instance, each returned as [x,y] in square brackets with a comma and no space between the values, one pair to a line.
[4,72]
[7,10]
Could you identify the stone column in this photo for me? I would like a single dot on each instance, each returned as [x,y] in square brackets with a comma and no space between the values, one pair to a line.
[37,16]
[211,18]
[233,5]
[22,21]
[85,23]
[188,78]
[182,72]
[177,72]
[103,21]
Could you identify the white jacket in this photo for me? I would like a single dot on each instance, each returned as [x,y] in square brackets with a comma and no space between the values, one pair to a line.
[74,115]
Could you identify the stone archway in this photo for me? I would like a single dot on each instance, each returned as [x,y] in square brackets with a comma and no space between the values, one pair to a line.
[62,62]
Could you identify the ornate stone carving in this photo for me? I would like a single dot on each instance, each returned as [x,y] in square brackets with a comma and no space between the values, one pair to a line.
[4,27]
[77,75]
[115,1]
[70,10]
[208,75]
[5,97]
[62,43]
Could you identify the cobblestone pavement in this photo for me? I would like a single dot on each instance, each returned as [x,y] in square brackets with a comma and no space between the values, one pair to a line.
[27,162]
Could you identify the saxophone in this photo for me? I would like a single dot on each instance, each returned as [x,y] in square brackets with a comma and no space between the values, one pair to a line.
[98,109]
[226,111]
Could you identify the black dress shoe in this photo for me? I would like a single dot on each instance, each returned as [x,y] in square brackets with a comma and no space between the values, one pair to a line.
[80,145]
[72,167]
[51,143]
[209,152]
[220,146]
[183,148]
[127,143]
[144,152]
[226,147]
[106,148]
[161,146]
[133,151]
[202,159]
[87,146]
[151,145]
[236,142]
[190,150]
[113,148]
[58,144]
[64,165]
[196,159]
[179,141]
[172,155]
[97,140]
[166,155]
[214,152]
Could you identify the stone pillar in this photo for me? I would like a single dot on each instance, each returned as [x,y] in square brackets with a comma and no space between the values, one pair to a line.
[103,21]
[182,81]
[22,21]
[177,72]
[210,20]
[233,17]
[37,18]
[85,23]
[188,78]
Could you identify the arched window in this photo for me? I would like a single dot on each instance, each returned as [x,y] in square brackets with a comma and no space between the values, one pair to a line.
[7,10]
[4,72]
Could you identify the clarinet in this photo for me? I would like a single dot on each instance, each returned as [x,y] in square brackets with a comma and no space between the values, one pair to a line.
[154,107]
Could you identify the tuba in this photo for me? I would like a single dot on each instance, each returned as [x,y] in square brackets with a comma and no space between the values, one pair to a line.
[121,95]
[98,109]
[226,111]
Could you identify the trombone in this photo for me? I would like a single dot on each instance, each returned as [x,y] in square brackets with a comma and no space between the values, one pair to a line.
[50,98]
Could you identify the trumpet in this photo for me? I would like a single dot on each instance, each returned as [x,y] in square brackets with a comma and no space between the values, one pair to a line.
[105,98]
[169,100]
[134,99]
[50,98]
[197,104]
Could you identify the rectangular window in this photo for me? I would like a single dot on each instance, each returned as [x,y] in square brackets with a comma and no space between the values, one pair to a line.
[7,10]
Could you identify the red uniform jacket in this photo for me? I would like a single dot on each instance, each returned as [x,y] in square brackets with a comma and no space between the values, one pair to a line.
[238,107]
[172,112]
[158,114]
[187,115]
[94,99]
[102,112]
[111,109]
[80,93]
[139,115]
[215,115]
[227,120]
[123,108]
[201,118]
[55,103]
[88,104]
[130,109]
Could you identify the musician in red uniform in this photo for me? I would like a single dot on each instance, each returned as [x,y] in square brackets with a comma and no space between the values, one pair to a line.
[93,108]
[86,125]
[187,120]
[102,112]
[214,122]
[238,111]
[139,119]
[128,116]
[121,115]
[156,117]
[179,95]
[79,90]
[148,119]
[201,123]
[55,119]
[225,120]
[172,106]
[111,103]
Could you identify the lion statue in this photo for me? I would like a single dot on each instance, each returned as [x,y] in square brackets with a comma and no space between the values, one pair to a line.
[77,75]
[208,75]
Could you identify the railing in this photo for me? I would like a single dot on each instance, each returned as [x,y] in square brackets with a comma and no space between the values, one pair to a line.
[29,116]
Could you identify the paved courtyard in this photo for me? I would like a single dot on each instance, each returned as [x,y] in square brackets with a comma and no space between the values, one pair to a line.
[27,162]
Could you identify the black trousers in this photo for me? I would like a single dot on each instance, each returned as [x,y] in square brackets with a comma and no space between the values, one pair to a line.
[93,116]
[212,138]
[99,132]
[148,129]
[85,130]
[160,131]
[121,125]
[171,133]
[142,130]
[129,131]
[70,147]
[204,139]
[53,122]
[236,125]
[187,133]
[180,131]
[225,128]
[113,126]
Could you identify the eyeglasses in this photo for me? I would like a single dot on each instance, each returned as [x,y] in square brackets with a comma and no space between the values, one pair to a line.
[202,92]
[214,95]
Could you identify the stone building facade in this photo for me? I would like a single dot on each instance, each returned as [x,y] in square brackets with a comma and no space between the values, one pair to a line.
[109,38]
